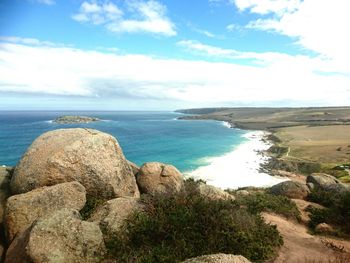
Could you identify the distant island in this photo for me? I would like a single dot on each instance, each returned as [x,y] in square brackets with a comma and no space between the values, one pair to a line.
[75,119]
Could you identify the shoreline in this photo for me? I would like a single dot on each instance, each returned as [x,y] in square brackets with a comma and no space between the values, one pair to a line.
[241,167]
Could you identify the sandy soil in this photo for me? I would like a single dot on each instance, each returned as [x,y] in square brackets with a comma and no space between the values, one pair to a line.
[300,246]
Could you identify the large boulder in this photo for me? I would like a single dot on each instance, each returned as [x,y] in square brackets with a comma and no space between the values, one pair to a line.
[218,258]
[291,189]
[321,180]
[88,156]
[212,192]
[5,177]
[22,210]
[157,178]
[112,215]
[59,237]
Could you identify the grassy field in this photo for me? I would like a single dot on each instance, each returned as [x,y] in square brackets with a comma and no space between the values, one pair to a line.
[323,144]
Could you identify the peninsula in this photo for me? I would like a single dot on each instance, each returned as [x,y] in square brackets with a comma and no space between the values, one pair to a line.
[305,140]
[75,119]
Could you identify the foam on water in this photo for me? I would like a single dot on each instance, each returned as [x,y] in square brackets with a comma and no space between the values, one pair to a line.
[239,168]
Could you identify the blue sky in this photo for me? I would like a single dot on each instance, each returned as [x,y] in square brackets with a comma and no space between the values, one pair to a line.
[163,55]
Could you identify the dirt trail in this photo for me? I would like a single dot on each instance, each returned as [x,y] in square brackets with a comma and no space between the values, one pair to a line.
[301,247]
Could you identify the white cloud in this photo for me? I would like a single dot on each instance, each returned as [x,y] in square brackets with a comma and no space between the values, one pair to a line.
[267,6]
[149,16]
[67,71]
[97,14]
[317,25]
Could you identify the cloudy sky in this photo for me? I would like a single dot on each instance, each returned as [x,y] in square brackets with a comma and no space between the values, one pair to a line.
[168,54]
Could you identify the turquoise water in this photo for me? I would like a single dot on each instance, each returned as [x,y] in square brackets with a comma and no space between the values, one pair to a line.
[143,136]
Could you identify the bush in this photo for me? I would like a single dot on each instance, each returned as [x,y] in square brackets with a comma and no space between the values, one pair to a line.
[336,213]
[174,228]
[260,202]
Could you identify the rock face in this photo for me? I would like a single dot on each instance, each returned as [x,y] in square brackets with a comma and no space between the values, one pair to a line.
[90,157]
[5,178]
[213,193]
[60,237]
[113,213]
[218,258]
[157,178]
[326,182]
[22,210]
[291,189]
[321,180]
[75,119]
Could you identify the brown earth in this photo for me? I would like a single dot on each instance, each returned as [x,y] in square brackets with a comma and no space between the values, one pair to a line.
[300,246]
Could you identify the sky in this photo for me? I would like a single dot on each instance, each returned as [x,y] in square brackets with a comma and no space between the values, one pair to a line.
[170,54]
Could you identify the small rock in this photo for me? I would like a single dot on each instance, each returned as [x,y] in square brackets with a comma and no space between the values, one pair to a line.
[290,189]
[112,215]
[311,186]
[91,157]
[218,258]
[157,178]
[22,210]
[59,237]
[324,228]
[213,193]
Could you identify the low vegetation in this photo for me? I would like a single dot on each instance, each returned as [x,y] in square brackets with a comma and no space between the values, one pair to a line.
[336,213]
[264,202]
[174,228]
[90,206]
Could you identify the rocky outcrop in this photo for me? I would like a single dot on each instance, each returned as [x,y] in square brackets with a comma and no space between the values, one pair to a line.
[213,193]
[326,182]
[5,177]
[291,189]
[321,180]
[90,157]
[60,237]
[22,210]
[112,215]
[218,258]
[75,119]
[157,178]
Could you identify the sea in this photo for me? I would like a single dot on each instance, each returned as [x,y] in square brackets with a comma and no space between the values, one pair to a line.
[190,145]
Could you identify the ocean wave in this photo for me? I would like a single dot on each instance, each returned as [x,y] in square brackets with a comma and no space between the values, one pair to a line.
[240,167]
[226,124]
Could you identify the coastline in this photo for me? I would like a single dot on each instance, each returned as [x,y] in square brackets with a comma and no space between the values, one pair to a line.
[241,167]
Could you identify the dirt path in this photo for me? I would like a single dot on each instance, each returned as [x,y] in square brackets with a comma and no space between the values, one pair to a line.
[302,247]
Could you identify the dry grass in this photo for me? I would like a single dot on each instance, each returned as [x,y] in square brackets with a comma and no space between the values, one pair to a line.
[324,144]
[337,258]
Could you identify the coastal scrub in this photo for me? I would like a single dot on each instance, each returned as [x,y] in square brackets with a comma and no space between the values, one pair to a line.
[174,228]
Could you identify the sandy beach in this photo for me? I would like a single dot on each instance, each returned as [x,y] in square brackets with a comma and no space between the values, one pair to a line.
[240,167]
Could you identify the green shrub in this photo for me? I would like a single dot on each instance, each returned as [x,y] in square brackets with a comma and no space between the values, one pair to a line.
[90,206]
[336,213]
[260,202]
[174,228]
